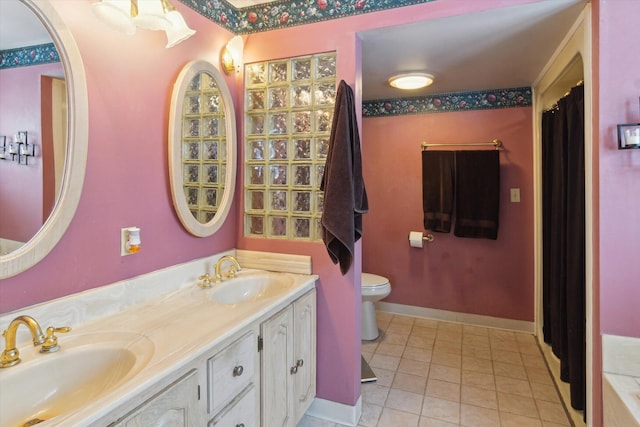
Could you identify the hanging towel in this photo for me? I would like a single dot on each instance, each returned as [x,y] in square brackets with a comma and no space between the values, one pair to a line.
[477,194]
[437,189]
[345,197]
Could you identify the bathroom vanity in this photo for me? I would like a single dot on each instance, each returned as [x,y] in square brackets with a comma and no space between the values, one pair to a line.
[180,357]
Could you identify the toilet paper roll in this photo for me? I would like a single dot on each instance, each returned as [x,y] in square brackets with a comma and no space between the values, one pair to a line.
[415,239]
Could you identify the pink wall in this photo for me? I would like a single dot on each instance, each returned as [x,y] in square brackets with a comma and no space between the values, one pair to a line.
[478,276]
[20,185]
[619,171]
[129,81]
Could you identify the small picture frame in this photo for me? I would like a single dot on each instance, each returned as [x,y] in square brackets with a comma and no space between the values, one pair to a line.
[628,136]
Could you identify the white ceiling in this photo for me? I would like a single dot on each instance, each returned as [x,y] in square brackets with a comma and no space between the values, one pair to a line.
[499,48]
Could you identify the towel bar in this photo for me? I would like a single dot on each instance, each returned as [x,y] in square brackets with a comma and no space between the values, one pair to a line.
[496,143]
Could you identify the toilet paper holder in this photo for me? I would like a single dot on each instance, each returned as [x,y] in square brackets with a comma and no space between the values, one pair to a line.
[416,238]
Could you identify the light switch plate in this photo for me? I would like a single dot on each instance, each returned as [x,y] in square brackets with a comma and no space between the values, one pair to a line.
[515,195]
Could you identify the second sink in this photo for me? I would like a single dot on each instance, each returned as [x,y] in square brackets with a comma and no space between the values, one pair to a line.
[251,286]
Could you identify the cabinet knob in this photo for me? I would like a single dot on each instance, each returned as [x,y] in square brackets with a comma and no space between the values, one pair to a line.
[294,370]
[240,425]
[238,370]
[299,363]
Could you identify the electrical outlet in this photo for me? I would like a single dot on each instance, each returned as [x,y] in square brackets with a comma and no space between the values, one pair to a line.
[515,195]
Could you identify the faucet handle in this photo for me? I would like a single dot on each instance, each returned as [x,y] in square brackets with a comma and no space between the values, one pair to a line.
[206,281]
[51,341]
[232,272]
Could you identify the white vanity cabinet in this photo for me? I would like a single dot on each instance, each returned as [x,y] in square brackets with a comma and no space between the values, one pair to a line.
[177,405]
[231,384]
[288,362]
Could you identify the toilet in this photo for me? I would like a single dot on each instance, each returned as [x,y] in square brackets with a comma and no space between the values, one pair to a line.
[374,288]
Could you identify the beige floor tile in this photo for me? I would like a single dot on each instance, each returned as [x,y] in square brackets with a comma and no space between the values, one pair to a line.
[374,394]
[539,375]
[501,333]
[450,326]
[512,357]
[393,418]
[517,405]
[370,415]
[479,397]
[408,382]
[395,338]
[544,392]
[426,323]
[474,351]
[446,358]
[449,335]
[415,353]
[385,362]
[369,346]
[454,347]
[404,401]
[309,421]
[513,386]
[420,331]
[475,416]
[504,344]
[441,409]
[367,355]
[553,412]
[385,376]
[443,390]
[475,340]
[528,348]
[509,370]
[413,367]
[399,319]
[400,328]
[420,342]
[390,349]
[477,364]
[475,330]
[444,373]
[431,422]
[478,379]
[533,360]
[513,420]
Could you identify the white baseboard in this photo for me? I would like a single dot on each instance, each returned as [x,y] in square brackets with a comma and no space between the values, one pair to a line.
[452,316]
[336,412]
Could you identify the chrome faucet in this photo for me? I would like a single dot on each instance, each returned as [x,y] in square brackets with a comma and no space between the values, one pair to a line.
[233,269]
[11,355]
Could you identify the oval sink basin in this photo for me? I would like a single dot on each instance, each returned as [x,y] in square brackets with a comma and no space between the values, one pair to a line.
[44,386]
[251,286]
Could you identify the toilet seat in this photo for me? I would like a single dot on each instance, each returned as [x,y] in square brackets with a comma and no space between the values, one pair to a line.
[372,284]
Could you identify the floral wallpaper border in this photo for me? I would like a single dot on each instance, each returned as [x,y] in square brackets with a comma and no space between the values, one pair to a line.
[29,55]
[449,102]
[287,13]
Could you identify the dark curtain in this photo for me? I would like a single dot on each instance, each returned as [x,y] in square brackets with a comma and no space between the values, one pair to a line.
[563,198]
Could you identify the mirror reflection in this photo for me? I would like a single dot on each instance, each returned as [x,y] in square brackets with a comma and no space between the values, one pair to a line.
[202,148]
[33,87]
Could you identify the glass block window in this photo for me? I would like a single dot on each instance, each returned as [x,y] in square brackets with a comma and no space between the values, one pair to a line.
[204,149]
[288,115]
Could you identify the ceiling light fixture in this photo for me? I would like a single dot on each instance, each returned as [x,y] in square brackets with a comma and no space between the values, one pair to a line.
[409,81]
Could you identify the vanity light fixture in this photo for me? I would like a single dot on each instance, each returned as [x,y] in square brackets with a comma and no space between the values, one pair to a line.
[410,81]
[231,55]
[629,134]
[157,15]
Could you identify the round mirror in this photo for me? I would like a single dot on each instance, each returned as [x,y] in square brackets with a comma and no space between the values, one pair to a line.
[202,148]
[60,176]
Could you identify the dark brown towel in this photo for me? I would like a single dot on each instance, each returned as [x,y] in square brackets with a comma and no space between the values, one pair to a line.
[477,194]
[345,197]
[437,189]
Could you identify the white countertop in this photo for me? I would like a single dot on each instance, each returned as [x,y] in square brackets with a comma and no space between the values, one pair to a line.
[183,326]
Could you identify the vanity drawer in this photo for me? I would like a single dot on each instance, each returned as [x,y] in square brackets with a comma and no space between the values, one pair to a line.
[241,412]
[230,371]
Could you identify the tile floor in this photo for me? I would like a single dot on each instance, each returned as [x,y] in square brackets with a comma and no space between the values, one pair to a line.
[440,374]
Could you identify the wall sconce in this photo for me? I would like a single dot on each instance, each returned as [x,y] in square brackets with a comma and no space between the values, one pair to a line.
[231,55]
[19,150]
[126,15]
[629,134]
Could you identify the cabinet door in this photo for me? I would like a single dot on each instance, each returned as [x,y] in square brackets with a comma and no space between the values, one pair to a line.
[277,357]
[175,406]
[304,327]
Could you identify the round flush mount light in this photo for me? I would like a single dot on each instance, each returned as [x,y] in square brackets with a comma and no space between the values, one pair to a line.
[410,81]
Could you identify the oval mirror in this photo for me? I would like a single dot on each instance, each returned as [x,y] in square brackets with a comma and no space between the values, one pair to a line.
[57,191]
[202,148]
